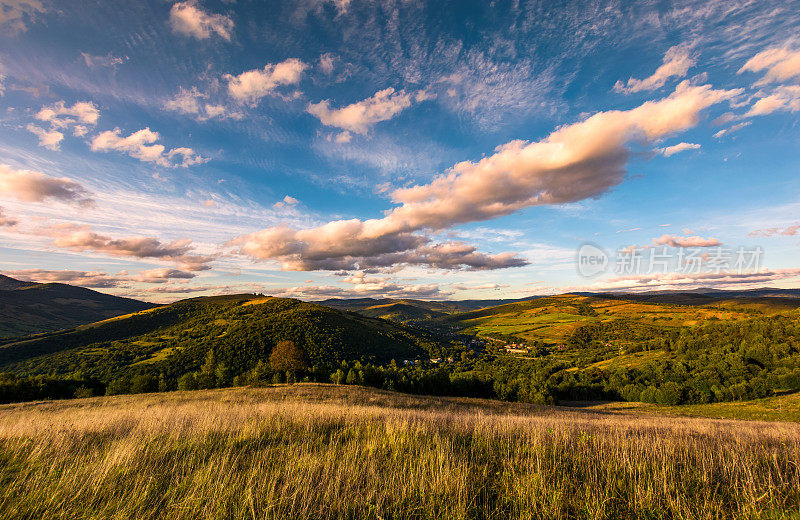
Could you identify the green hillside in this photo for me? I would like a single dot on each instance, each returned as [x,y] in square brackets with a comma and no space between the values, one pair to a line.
[32,308]
[554,319]
[408,310]
[241,330]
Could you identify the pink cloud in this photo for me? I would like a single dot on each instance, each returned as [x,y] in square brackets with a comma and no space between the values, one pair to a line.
[33,186]
[690,241]
[772,232]
[6,221]
[82,238]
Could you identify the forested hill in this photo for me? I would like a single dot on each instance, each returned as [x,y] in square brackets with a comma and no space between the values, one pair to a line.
[32,308]
[241,330]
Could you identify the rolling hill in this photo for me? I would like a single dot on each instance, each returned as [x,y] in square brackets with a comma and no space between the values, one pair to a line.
[241,329]
[32,308]
[409,310]
[552,319]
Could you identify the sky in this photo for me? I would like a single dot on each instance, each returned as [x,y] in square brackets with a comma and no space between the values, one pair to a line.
[399,148]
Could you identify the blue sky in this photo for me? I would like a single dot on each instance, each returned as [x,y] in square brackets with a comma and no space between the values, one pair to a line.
[325,148]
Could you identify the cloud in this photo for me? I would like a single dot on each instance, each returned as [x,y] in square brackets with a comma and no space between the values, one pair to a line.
[677,148]
[82,238]
[163,275]
[95,279]
[784,98]
[685,281]
[361,116]
[287,201]
[480,287]
[677,62]
[109,60]
[192,102]
[13,14]
[326,63]
[575,162]
[690,241]
[370,289]
[61,116]
[780,64]
[731,129]
[142,145]
[6,221]
[99,279]
[773,232]
[50,139]
[251,86]
[33,186]
[490,90]
[189,19]
[343,245]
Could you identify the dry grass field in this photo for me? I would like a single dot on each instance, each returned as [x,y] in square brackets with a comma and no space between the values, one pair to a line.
[320,451]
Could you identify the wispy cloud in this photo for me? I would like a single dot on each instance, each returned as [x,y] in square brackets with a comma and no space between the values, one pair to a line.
[361,116]
[677,148]
[189,19]
[779,63]
[677,62]
[15,13]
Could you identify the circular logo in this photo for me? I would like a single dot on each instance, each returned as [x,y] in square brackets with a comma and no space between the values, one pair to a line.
[591,260]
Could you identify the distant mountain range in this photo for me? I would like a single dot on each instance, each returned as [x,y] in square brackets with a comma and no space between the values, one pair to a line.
[32,308]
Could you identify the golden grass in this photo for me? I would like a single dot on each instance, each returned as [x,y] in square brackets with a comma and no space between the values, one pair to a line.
[318,451]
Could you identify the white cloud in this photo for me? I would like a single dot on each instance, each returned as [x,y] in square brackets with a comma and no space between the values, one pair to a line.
[731,129]
[677,148]
[251,86]
[50,139]
[60,115]
[142,145]
[783,98]
[779,63]
[676,63]
[189,19]
[194,103]
[574,162]
[361,116]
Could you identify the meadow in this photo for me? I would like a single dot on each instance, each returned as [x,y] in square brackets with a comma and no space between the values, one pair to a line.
[325,451]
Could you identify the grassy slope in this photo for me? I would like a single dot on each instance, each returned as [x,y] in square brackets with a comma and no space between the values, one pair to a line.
[348,452]
[241,329]
[552,319]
